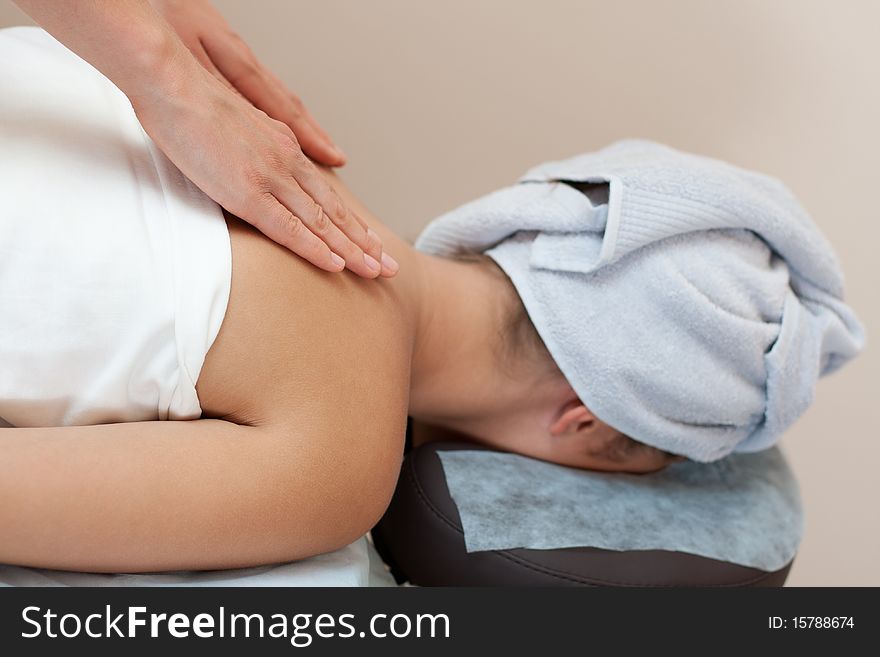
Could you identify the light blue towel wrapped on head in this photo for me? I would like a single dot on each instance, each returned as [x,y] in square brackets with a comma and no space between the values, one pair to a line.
[693,311]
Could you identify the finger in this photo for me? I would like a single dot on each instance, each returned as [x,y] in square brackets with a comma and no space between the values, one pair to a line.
[390,267]
[280,225]
[284,106]
[266,92]
[318,145]
[307,177]
[389,264]
[315,218]
[198,50]
[315,145]
[307,115]
[239,68]
[315,141]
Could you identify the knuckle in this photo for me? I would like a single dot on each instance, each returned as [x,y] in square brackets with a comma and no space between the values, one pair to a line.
[247,71]
[320,222]
[285,130]
[295,111]
[299,158]
[258,182]
[284,137]
[297,108]
[277,160]
[245,52]
[288,148]
[291,226]
[339,212]
[286,153]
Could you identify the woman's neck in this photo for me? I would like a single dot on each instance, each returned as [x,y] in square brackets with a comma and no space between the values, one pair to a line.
[455,369]
[456,310]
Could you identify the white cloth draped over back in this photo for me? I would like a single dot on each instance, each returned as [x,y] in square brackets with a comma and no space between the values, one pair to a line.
[114,279]
[115,269]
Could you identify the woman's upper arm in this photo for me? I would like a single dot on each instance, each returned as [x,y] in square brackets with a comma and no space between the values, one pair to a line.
[150,496]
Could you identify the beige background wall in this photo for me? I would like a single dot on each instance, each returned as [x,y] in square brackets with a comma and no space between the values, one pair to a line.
[438,102]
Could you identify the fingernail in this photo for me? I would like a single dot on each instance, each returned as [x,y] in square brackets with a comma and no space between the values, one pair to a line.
[390,263]
[339,262]
[372,264]
[372,233]
[340,152]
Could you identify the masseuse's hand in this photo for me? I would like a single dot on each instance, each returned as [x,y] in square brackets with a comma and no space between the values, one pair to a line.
[254,167]
[200,110]
[222,52]
[248,152]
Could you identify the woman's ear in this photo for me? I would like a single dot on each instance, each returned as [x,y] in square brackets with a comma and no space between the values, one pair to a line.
[573,418]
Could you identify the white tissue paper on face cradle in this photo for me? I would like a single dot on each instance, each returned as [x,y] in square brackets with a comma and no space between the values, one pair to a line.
[743,509]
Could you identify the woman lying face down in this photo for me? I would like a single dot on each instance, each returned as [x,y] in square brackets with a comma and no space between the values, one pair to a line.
[187,394]
[304,398]
[532,409]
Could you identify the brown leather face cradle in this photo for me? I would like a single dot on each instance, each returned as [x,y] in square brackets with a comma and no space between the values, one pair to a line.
[421,538]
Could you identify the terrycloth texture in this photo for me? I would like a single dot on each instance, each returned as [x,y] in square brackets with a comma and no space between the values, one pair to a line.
[743,509]
[693,312]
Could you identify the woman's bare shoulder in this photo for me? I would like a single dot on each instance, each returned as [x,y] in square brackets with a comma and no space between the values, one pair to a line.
[327,353]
